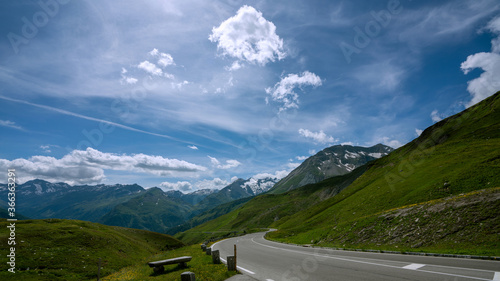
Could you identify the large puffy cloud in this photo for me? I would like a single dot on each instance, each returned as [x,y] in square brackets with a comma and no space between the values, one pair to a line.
[283,91]
[319,137]
[487,83]
[87,166]
[249,37]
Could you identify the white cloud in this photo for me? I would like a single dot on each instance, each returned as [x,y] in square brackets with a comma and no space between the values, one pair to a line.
[154,52]
[277,175]
[194,147]
[164,59]
[283,91]
[390,142]
[235,66]
[126,79]
[215,183]
[179,85]
[312,151]
[487,83]
[150,68]
[46,148]
[87,166]
[292,166]
[10,124]
[229,163]
[318,137]
[249,37]
[418,132]
[494,27]
[435,116]
[182,186]
[301,158]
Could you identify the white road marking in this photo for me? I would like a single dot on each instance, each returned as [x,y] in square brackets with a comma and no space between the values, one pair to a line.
[371,263]
[246,270]
[239,267]
[497,276]
[414,266]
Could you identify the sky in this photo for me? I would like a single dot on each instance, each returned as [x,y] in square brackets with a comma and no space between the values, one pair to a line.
[193,94]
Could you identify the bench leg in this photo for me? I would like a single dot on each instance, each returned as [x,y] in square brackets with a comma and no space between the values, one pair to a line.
[183,264]
[158,269]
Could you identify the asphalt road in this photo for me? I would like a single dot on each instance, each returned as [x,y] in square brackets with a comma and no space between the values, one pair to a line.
[272,261]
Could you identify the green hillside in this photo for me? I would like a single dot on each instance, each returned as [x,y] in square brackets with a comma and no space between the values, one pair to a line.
[209,215]
[458,155]
[152,210]
[262,211]
[55,249]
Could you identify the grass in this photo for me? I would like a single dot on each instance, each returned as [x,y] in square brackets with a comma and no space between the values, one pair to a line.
[201,265]
[55,249]
[466,224]
[459,155]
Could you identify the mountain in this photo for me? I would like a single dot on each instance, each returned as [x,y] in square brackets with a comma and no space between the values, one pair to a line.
[4,214]
[152,210]
[332,161]
[238,189]
[438,193]
[55,249]
[192,198]
[40,199]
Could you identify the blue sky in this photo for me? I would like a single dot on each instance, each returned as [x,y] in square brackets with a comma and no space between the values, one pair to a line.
[191,94]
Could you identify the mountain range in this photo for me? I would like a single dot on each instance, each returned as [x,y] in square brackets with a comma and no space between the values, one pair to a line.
[165,211]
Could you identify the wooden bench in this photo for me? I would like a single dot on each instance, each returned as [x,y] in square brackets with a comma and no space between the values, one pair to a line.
[158,265]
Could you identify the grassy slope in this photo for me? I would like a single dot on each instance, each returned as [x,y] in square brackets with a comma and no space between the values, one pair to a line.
[460,154]
[209,215]
[264,210]
[201,265]
[55,249]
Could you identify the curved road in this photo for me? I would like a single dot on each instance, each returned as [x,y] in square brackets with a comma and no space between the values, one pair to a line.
[271,261]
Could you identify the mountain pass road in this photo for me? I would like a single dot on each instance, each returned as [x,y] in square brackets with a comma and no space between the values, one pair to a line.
[271,261]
